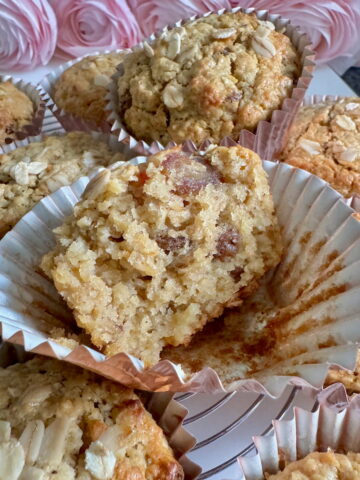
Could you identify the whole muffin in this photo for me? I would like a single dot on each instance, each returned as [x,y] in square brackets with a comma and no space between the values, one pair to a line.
[81,89]
[29,173]
[16,111]
[324,139]
[210,78]
[153,252]
[59,422]
[322,466]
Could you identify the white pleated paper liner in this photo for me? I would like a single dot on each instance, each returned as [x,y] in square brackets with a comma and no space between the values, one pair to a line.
[69,121]
[334,425]
[269,134]
[166,411]
[319,274]
[34,93]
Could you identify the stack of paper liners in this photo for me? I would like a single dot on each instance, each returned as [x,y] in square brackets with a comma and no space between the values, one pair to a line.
[318,283]
[267,139]
[333,425]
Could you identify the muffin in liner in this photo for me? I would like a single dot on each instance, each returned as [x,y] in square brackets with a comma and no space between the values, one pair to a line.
[333,425]
[318,281]
[35,94]
[165,410]
[67,120]
[353,201]
[268,137]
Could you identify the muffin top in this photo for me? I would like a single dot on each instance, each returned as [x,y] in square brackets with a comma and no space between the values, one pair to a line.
[59,422]
[322,466]
[81,89]
[208,79]
[324,139]
[16,111]
[152,252]
[29,173]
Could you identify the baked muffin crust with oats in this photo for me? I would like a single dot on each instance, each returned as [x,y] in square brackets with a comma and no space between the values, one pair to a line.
[81,89]
[210,78]
[325,140]
[322,466]
[29,173]
[60,422]
[155,251]
[16,111]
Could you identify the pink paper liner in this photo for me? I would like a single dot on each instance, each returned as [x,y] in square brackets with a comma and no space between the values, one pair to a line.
[69,121]
[268,138]
[166,411]
[301,200]
[35,95]
[335,425]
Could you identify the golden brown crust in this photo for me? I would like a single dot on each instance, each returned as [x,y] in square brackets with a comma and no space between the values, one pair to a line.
[208,79]
[81,89]
[100,430]
[16,111]
[325,140]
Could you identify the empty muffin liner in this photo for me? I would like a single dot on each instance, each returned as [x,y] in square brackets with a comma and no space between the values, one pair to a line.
[68,120]
[334,425]
[269,134]
[166,411]
[321,240]
[35,94]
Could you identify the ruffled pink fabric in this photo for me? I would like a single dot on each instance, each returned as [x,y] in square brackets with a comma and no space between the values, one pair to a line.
[28,34]
[88,25]
[333,26]
[155,14]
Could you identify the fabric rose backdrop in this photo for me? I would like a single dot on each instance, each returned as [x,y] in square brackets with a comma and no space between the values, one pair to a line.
[31,29]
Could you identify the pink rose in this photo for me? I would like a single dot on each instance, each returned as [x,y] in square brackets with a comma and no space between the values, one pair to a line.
[333,26]
[28,34]
[88,25]
[155,14]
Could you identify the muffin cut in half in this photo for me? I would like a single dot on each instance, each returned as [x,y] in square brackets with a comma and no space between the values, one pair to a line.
[59,422]
[154,251]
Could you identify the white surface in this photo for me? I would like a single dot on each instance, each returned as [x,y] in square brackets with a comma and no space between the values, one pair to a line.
[325,82]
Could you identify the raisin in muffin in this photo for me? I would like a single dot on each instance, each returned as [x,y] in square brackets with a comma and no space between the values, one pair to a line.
[322,466]
[16,111]
[81,89]
[60,422]
[153,252]
[29,173]
[325,140]
[210,78]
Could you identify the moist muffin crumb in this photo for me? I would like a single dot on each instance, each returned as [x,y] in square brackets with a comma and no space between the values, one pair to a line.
[59,422]
[321,466]
[81,89]
[324,139]
[210,78]
[154,251]
[16,111]
[29,173]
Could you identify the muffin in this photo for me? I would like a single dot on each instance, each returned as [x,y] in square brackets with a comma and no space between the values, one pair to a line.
[29,173]
[81,89]
[60,422]
[16,111]
[321,466]
[154,251]
[209,79]
[324,139]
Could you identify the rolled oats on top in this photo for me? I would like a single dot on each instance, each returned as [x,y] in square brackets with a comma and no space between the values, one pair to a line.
[208,79]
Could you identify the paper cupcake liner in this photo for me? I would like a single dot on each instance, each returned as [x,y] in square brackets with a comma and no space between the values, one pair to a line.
[269,134]
[334,425]
[35,95]
[165,410]
[321,242]
[68,120]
